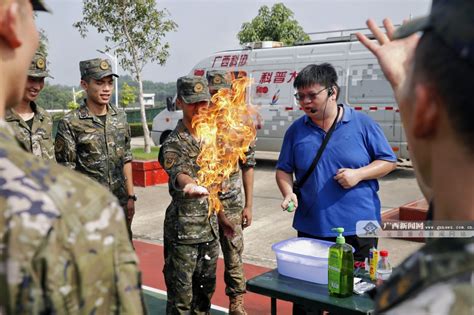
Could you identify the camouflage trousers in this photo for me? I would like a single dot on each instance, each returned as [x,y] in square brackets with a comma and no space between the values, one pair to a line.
[232,250]
[190,276]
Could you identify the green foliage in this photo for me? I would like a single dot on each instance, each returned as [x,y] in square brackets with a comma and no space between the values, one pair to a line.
[139,154]
[55,96]
[135,28]
[161,90]
[127,95]
[71,105]
[136,129]
[276,24]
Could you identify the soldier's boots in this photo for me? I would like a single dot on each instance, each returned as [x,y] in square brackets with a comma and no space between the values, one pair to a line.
[236,305]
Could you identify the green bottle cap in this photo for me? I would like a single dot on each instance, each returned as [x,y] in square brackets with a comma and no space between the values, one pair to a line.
[339,239]
[291,206]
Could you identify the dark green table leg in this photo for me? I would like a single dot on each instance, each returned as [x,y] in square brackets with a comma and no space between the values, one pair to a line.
[273,306]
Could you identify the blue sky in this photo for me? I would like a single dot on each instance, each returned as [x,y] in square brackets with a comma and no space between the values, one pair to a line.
[207,26]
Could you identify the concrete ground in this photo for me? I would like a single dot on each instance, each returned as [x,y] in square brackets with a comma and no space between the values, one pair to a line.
[270,224]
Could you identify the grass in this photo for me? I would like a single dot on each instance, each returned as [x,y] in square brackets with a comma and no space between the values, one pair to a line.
[138,154]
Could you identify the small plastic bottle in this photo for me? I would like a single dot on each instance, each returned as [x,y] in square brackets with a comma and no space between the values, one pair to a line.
[384,269]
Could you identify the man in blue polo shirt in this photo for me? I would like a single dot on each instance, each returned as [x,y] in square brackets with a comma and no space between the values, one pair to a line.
[343,187]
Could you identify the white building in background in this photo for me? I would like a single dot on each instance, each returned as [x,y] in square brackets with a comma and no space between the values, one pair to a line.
[149,99]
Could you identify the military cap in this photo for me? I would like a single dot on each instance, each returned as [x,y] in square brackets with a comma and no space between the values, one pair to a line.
[452,21]
[96,68]
[38,66]
[218,79]
[193,89]
[38,5]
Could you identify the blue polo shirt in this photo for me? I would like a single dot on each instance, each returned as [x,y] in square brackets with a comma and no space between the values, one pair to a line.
[356,142]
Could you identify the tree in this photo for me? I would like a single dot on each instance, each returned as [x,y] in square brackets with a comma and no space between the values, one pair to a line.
[276,24]
[127,95]
[135,28]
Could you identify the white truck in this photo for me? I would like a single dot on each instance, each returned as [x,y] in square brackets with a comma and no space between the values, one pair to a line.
[273,70]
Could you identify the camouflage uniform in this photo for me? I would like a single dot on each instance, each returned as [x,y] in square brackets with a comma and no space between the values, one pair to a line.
[436,279]
[64,246]
[190,236]
[84,143]
[233,203]
[38,139]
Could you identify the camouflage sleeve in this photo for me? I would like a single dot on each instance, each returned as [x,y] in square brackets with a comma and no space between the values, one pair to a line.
[174,162]
[100,256]
[249,158]
[65,145]
[128,139]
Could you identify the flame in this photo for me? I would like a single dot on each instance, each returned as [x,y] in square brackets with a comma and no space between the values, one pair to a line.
[226,130]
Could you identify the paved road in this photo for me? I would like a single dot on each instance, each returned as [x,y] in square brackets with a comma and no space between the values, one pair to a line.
[270,224]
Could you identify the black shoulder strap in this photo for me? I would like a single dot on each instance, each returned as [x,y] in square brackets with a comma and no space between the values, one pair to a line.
[320,151]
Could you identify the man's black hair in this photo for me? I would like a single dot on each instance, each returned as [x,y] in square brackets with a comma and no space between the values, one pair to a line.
[323,74]
[451,77]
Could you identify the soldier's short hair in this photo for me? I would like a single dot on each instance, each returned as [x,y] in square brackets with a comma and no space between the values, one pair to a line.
[444,59]
[437,65]
[323,74]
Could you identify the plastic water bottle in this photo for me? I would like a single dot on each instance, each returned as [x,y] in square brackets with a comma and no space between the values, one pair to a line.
[384,269]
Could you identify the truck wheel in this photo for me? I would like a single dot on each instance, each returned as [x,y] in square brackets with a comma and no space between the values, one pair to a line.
[164,135]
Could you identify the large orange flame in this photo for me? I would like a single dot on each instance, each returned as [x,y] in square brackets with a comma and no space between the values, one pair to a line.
[226,130]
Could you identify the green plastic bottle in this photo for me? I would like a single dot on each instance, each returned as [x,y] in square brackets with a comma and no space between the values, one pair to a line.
[340,267]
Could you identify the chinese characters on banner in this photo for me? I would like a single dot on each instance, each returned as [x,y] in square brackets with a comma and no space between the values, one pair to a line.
[230,61]
[277,77]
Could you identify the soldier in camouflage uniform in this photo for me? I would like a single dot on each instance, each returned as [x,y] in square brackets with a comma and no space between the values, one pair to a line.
[238,212]
[95,138]
[63,243]
[191,244]
[33,125]
[432,81]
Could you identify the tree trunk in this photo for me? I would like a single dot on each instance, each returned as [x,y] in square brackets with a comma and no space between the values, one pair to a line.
[146,132]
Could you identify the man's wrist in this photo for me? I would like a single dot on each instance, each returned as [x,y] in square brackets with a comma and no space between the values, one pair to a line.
[132,197]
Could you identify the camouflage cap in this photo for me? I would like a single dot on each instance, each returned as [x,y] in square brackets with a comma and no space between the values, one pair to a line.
[96,69]
[193,89]
[452,21]
[218,79]
[38,5]
[38,66]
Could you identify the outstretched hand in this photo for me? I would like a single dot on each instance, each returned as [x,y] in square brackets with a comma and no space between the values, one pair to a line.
[194,191]
[395,56]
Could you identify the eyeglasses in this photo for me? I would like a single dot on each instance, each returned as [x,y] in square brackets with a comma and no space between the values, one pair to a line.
[312,96]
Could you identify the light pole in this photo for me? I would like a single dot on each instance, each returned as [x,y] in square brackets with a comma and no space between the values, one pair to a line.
[116,71]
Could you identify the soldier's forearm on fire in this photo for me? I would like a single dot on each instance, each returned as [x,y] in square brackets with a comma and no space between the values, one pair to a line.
[184,179]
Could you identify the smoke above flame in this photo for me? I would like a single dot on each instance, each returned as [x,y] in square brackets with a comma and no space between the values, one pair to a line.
[226,130]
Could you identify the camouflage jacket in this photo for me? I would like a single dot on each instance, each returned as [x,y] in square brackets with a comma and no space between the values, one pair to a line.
[85,144]
[64,243]
[186,219]
[437,279]
[231,196]
[37,140]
